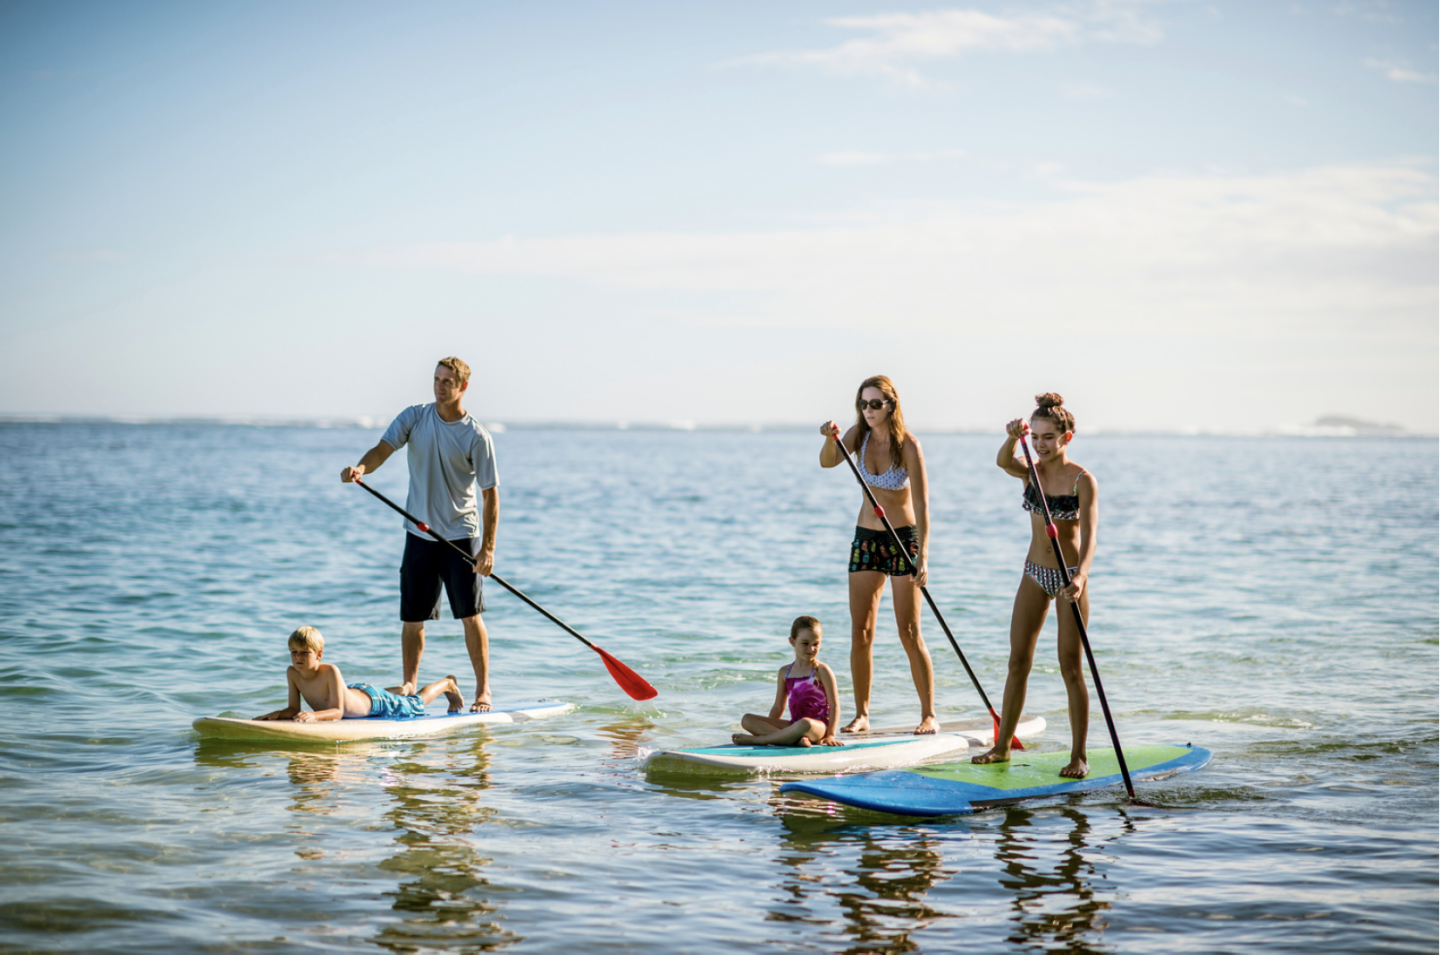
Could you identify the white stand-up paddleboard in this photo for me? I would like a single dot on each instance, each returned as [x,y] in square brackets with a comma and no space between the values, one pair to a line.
[372,727]
[877,749]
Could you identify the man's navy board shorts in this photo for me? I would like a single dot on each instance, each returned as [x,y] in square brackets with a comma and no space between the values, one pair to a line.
[429,564]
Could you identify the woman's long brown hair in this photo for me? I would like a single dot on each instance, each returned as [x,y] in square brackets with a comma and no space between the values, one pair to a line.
[897,420]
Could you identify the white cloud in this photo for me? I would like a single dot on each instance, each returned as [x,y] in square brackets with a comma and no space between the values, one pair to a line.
[1330,251]
[893,42]
[852,157]
[859,157]
[1399,71]
[1376,11]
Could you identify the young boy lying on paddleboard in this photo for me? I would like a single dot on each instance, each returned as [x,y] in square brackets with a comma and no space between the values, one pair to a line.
[809,685]
[324,689]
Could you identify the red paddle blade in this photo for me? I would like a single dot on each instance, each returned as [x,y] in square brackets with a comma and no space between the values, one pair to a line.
[1014,740]
[630,681]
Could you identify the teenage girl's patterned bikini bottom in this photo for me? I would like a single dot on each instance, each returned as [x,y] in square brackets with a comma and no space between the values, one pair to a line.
[1048,578]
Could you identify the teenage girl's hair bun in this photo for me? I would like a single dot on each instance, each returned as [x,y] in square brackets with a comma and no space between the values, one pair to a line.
[1049,405]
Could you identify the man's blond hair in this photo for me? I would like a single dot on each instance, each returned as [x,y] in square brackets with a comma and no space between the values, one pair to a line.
[462,370]
[307,638]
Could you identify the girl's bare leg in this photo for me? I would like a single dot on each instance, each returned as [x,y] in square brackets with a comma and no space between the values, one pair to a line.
[802,732]
[865,589]
[1026,619]
[755,723]
[907,618]
[1072,670]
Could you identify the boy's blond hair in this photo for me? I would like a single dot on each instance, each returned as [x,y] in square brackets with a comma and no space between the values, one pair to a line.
[309,638]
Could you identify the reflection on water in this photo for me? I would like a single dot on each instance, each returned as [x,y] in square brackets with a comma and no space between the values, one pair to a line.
[1049,868]
[893,881]
[437,806]
[627,737]
[881,893]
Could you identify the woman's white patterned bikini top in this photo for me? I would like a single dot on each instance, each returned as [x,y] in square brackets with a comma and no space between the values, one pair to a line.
[895,479]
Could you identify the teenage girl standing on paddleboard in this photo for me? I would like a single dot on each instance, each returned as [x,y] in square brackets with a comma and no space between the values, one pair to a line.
[1076,513]
[893,465]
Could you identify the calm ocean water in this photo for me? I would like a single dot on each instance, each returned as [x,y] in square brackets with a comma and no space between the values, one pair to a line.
[1274,600]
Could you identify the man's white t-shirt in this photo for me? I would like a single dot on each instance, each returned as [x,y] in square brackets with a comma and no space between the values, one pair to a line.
[448,461]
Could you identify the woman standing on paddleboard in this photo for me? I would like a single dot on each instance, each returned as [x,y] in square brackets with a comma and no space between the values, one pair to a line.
[893,465]
[1076,513]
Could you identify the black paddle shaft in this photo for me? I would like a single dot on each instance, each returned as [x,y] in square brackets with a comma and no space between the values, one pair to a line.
[471,559]
[1054,535]
[905,553]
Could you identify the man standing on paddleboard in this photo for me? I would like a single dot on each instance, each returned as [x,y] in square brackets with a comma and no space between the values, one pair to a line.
[450,456]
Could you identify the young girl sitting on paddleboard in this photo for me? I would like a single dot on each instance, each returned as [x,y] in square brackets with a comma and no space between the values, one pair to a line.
[1076,514]
[809,687]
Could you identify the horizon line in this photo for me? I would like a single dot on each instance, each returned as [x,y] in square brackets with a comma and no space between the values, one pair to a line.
[1351,429]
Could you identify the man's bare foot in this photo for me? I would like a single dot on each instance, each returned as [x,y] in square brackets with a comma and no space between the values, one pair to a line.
[859,724]
[996,755]
[927,726]
[742,739]
[1076,769]
[452,695]
[481,704]
[408,689]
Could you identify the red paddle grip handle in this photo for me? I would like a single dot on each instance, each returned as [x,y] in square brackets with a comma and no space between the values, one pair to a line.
[879,512]
[426,529]
[1051,531]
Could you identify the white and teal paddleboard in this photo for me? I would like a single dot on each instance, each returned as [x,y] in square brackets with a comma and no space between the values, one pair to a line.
[372,727]
[877,749]
[948,789]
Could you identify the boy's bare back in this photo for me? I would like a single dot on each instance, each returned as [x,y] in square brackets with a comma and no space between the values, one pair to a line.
[324,689]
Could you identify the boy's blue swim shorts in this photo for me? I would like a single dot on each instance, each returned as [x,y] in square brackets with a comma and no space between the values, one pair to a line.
[392,706]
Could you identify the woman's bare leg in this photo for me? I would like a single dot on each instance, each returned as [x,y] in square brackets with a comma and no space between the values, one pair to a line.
[1026,619]
[865,589]
[1070,649]
[907,619]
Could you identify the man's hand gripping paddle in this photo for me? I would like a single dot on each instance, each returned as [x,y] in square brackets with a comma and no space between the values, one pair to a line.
[880,513]
[630,681]
[1054,534]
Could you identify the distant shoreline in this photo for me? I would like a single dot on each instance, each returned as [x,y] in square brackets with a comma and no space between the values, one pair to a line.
[365,422]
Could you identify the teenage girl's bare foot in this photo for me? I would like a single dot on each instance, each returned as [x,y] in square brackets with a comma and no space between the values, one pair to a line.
[481,704]
[860,724]
[1077,768]
[927,726]
[996,755]
[406,689]
[742,739]
[452,695]
[803,741]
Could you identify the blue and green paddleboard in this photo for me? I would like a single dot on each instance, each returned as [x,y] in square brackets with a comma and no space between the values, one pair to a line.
[949,789]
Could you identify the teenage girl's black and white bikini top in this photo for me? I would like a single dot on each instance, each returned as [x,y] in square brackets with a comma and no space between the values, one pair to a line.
[895,479]
[1063,507]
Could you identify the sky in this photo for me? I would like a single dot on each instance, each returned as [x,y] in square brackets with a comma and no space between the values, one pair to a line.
[1180,215]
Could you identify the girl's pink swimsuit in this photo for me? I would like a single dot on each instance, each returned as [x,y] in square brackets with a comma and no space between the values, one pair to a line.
[807,697]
